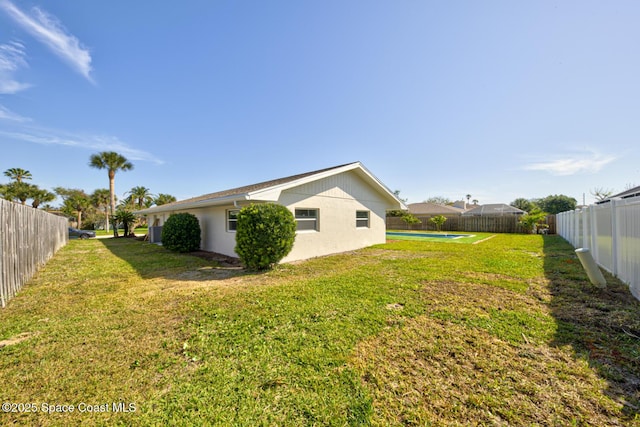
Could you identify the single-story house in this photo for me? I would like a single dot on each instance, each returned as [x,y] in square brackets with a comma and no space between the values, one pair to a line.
[337,209]
[496,209]
[433,209]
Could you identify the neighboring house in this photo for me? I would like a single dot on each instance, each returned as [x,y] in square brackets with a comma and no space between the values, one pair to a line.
[626,194]
[337,209]
[433,209]
[462,204]
[498,209]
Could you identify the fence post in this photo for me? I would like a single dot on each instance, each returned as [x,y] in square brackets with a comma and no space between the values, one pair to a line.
[614,237]
[576,228]
[593,218]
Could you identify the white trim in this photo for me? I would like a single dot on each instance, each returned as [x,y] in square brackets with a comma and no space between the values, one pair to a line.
[272,193]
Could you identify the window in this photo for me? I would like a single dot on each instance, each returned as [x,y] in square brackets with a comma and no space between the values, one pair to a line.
[307,219]
[232,220]
[362,219]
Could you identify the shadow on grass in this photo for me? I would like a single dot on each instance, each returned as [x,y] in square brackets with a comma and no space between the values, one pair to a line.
[602,325]
[153,261]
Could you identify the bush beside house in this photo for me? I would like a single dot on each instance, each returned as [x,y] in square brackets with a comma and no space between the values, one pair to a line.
[181,233]
[265,234]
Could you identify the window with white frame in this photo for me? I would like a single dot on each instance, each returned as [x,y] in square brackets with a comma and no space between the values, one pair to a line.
[307,219]
[232,219]
[362,219]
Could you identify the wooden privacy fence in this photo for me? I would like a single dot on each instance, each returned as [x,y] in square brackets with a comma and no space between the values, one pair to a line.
[486,224]
[28,239]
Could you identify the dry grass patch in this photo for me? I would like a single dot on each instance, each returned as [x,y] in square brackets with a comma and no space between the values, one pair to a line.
[442,373]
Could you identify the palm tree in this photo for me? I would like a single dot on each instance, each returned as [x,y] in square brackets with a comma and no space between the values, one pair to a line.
[163,199]
[18,190]
[468,196]
[75,201]
[140,196]
[127,219]
[17,174]
[113,162]
[100,199]
[40,195]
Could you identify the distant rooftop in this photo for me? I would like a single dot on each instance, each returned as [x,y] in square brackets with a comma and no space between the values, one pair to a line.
[632,192]
[433,209]
[494,209]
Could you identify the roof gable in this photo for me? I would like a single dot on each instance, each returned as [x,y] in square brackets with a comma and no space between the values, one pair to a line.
[270,190]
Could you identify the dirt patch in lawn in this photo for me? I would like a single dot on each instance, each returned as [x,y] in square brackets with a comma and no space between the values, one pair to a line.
[222,260]
[17,339]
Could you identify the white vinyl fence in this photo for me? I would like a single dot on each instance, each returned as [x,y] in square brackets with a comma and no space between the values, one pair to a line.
[28,238]
[612,233]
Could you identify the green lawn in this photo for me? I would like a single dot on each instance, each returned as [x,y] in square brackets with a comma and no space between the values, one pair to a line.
[138,230]
[506,332]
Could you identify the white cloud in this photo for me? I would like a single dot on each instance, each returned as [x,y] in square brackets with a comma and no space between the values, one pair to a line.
[12,58]
[39,135]
[587,161]
[48,30]
[6,114]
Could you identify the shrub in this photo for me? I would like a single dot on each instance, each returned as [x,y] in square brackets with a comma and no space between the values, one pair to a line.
[532,219]
[410,219]
[265,234]
[127,219]
[181,233]
[438,220]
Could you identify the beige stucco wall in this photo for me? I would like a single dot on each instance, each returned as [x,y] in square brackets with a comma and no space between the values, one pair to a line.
[337,199]
[214,236]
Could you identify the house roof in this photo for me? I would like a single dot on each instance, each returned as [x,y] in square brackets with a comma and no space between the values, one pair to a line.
[270,190]
[433,209]
[493,209]
[632,192]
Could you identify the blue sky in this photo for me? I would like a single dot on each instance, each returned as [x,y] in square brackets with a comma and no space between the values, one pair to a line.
[497,99]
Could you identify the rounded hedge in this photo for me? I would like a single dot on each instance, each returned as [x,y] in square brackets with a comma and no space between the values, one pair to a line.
[265,234]
[181,233]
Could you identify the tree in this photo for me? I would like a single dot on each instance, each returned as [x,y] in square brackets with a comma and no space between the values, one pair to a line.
[474,201]
[397,194]
[523,204]
[410,219]
[18,191]
[439,200]
[39,196]
[438,220]
[141,197]
[17,174]
[113,162]
[468,196]
[127,218]
[75,202]
[163,199]
[557,203]
[601,194]
[530,220]
[100,200]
